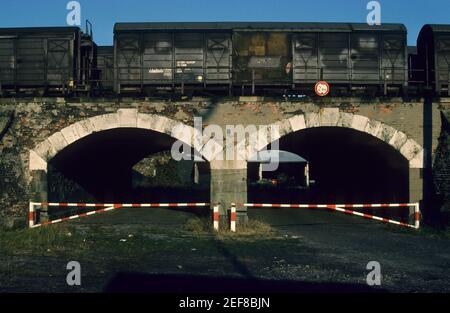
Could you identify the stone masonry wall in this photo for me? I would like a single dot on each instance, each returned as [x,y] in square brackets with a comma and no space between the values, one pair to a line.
[34,120]
[442,162]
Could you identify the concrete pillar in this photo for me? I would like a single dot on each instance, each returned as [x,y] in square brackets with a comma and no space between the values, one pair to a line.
[39,193]
[416,188]
[229,185]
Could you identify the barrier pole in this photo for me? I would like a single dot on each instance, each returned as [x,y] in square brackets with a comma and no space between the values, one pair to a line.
[31,215]
[233,218]
[417,216]
[216,218]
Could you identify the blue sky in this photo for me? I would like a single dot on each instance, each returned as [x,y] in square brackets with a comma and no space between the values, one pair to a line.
[104,13]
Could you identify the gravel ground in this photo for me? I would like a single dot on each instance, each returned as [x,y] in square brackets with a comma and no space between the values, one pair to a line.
[309,251]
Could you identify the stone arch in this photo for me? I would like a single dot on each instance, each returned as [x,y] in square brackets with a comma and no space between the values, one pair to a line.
[42,153]
[333,117]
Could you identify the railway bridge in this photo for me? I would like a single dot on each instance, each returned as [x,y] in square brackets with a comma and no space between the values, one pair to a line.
[76,150]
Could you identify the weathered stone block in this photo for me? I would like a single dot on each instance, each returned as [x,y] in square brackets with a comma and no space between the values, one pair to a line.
[284,127]
[398,140]
[58,141]
[359,122]
[105,122]
[373,127]
[36,162]
[45,150]
[417,161]
[386,133]
[312,120]
[84,128]
[70,134]
[127,117]
[329,116]
[410,149]
[297,122]
[345,119]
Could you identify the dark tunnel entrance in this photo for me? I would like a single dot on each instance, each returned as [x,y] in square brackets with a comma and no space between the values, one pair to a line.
[345,166]
[125,165]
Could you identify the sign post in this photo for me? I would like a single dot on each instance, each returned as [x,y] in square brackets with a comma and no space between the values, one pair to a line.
[322,88]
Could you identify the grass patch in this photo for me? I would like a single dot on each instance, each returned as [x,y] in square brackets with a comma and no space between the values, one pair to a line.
[198,226]
[201,226]
[253,228]
[36,240]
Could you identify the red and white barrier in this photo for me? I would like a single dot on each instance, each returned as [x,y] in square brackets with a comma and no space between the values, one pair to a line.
[343,208]
[216,218]
[104,208]
[233,219]
[31,215]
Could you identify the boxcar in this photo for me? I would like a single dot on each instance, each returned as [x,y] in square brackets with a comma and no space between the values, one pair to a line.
[50,57]
[293,55]
[171,54]
[433,47]
[351,54]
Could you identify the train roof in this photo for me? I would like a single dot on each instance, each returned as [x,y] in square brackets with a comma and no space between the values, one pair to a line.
[105,48]
[61,29]
[437,28]
[249,26]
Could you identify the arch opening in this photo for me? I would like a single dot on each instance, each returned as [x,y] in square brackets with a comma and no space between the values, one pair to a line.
[125,165]
[345,165]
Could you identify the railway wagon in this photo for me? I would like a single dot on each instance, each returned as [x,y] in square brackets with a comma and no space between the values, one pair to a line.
[260,55]
[300,54]
[171,55]
[433,45]
[45,58]
[105,68]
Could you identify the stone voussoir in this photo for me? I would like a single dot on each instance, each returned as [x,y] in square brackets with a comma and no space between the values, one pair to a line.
[297,122]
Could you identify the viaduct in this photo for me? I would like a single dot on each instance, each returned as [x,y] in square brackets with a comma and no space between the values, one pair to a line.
[375,139]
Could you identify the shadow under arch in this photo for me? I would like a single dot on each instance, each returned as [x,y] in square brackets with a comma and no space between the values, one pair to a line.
[347,166]
[358,159]
[95,158]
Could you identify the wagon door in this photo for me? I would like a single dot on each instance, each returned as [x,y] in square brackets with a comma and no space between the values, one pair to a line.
[30,62]
[59,62]
[7,61]
[333,54]
[305,58]
[189,57]
[365,57]
[218,58]
[393,66]
[157,58]
[128,60]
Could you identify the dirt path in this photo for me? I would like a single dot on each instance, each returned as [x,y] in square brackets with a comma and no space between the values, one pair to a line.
[154,251]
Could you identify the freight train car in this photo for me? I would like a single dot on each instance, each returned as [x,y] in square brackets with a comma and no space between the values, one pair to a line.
[104,72]
[45,59]
[260,55]
[433,47]
[171,54]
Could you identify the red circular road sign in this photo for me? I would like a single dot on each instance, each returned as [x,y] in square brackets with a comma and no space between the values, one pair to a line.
[322,88]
